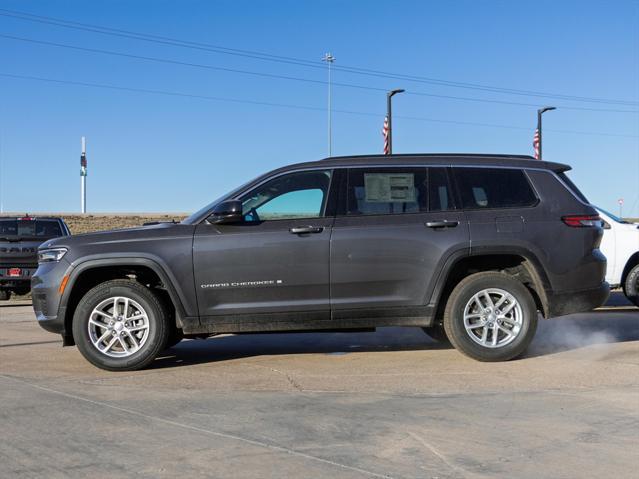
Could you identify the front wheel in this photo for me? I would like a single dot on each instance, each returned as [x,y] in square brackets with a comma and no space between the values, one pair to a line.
[490,316]
[120,325]
[631,285]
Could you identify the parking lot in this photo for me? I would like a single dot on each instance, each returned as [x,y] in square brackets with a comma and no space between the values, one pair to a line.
[384,404]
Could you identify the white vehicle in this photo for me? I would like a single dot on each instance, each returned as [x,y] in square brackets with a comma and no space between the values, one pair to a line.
[620,245]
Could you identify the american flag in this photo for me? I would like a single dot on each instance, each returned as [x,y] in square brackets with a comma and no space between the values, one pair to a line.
[536,143]
[385,133]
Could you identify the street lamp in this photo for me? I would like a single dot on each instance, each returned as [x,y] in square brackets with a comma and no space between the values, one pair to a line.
[329,59]
[390,95]
[540,112]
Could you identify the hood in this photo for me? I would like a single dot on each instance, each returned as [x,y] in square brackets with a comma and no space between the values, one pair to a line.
[117,237]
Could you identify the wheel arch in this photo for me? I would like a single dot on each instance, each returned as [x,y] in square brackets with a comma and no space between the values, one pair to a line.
[87,274]
[521,264]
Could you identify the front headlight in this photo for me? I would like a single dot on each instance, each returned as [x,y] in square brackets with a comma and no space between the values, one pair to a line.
[49,255]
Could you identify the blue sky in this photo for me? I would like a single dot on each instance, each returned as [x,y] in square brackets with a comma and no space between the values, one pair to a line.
[151,152]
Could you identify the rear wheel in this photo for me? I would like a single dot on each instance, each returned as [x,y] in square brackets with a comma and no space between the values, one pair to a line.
[120,325]
[490,316]
[631,285]
[4,294]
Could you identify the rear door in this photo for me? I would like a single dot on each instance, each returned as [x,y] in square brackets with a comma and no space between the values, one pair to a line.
[396,228]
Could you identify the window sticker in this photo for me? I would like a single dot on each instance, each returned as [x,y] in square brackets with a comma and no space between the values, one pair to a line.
[389,187]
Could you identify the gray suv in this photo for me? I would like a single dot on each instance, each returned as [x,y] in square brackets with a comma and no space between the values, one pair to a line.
[472,248]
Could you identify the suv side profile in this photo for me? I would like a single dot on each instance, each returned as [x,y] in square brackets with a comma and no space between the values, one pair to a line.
[469,247]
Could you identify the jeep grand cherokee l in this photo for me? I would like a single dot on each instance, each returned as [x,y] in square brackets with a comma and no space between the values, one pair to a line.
[19,241]
[469,247]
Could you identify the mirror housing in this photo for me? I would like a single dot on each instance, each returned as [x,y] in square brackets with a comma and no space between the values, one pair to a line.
[227,212]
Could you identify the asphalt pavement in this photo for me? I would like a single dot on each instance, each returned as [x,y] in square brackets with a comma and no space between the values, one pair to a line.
[349,405]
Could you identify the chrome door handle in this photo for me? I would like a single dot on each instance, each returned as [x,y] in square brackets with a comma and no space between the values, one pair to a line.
[442,224]
[299,230]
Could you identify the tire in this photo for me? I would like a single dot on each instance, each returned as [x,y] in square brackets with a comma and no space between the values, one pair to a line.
[631,285]
[4,294]
[477,341]
[133,344]
[437,333]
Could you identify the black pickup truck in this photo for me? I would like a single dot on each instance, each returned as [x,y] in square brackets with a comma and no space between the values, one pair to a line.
[19,241]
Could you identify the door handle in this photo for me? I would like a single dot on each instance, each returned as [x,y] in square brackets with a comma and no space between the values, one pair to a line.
[299,230]
[442,224]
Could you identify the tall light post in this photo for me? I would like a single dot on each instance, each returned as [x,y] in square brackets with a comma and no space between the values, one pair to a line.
[538,135]
[329,59]
[390,95]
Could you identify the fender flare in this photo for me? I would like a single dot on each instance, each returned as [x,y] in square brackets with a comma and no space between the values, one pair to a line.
[119,259]
[532,263]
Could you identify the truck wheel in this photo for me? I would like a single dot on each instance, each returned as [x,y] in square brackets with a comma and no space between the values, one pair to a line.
[490,316]
[631,285]
[437,333]
[4,294]
[120,325]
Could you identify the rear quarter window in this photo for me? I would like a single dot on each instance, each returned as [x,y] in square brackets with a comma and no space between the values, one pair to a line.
[494,188]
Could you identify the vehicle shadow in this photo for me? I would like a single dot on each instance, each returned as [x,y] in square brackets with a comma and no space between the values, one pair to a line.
[229,347]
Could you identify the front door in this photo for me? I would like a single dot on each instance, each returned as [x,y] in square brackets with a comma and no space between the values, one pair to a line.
[276,260]
[399,226]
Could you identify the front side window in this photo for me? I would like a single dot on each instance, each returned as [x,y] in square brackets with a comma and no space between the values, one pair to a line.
[387,191]
[494,188]
[291,196]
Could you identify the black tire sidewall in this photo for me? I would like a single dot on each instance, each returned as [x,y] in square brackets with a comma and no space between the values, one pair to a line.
[454,322]
[158,330]
[631,285]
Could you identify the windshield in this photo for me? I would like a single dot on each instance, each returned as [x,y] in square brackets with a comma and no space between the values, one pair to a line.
[195,216]
[22,229]
[613,217]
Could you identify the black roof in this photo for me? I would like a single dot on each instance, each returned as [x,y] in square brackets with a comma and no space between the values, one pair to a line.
[465,159]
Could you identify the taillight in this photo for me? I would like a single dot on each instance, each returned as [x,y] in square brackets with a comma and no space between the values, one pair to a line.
[581,221]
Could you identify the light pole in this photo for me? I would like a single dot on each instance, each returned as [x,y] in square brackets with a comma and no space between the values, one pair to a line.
[329,59]
[540,112]
[390,95]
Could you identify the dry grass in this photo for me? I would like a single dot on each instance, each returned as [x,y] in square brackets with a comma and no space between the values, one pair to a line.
[88,223]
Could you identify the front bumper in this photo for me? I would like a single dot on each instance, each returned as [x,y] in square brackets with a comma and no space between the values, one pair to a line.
[46,296]
[561,304]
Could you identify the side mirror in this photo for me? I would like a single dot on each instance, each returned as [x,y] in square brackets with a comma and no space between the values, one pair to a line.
[606,225]
[227,212]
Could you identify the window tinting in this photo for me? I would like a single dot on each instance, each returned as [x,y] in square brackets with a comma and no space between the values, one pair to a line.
[296,195]
[387,191]
[494,188]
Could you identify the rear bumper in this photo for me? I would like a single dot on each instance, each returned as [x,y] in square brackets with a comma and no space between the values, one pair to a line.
[561,304]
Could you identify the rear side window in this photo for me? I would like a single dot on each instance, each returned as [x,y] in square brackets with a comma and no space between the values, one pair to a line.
[387,191]
[392,191]
[494,188]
